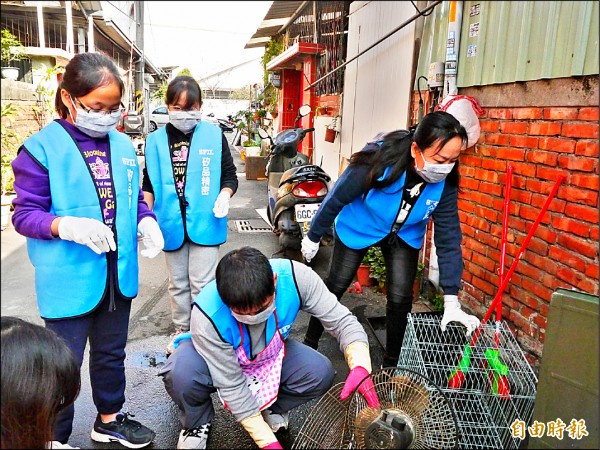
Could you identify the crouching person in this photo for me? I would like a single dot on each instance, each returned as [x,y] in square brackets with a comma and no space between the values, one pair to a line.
[239,347]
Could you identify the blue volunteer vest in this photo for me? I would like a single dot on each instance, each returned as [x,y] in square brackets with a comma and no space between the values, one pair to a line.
[287,305]
[202,186]
[369,219]
[70,279]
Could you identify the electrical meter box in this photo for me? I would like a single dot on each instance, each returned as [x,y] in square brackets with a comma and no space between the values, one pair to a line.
[568,381]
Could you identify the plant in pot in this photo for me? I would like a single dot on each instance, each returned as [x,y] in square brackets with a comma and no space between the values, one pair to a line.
[252,148]
[378,271]
[375,263]
[363,273]
[12,50]
[331,130]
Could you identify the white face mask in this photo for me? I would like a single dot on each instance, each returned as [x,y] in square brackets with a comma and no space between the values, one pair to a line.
[257,318]
[433,173]
[184,121]
[93,123]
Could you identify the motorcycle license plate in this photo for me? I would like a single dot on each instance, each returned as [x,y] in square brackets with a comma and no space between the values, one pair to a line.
[305,212]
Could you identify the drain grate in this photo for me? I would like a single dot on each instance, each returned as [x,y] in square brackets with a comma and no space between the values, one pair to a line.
[252,226]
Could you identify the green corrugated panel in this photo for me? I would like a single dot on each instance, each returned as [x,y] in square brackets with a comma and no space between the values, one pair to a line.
[517,41]
[433,45]
[522,41]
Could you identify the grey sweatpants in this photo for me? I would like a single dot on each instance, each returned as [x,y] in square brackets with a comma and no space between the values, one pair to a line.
[190,269]
[305,374]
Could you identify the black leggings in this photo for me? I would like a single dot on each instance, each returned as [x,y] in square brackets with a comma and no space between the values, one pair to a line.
[401,263]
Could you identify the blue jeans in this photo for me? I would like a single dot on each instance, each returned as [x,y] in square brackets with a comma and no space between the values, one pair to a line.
[305,374]
[107,332]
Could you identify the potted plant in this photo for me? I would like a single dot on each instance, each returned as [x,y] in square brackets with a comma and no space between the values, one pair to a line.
[12,50]
[378,271]
[244,120]
[363,273]
[375,263]
[251,148]
[331,130]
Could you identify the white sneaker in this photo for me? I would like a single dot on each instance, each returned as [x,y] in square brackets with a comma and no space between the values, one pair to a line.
[172,336]
[276,421]
[57,444]
[194,437]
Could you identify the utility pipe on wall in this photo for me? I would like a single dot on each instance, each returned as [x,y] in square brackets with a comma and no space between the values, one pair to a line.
[452,47]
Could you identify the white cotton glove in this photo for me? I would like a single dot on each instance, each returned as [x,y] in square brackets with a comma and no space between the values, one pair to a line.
[91,232]
[151,237]
[453,313]
[221,207]
[309,248]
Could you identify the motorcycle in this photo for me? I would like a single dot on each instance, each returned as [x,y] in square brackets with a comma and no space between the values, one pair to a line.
[295,188]
[226,125]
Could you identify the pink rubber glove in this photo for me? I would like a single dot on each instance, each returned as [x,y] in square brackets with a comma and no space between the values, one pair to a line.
[366,388]
[274,445]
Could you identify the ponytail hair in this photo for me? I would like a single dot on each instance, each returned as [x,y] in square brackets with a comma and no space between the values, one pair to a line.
[84,73]
[394,150]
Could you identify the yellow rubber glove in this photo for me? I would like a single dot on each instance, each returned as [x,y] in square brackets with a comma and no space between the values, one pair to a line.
[357,354]
[359,362]
[259,430]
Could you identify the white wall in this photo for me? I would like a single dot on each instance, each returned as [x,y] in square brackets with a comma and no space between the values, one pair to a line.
[325,154]
[377,84]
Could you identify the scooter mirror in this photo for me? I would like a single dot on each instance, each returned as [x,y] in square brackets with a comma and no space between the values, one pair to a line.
[263,134]
[304,110]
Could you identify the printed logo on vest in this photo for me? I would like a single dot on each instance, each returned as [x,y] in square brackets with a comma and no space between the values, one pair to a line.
[431,205]
[128,162]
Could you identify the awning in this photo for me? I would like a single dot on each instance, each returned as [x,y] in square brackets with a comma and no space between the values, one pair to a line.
[277,18]
[114,33]
[294,55]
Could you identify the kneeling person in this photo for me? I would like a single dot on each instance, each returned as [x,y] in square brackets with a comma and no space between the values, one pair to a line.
[239,347]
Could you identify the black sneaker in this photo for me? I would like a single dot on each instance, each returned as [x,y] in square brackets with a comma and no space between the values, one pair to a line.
[127,432]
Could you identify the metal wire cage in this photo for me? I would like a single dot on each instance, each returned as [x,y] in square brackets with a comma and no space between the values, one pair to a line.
[484,417]
[413,413]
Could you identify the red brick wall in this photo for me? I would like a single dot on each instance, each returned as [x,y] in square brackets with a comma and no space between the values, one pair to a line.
[541,143]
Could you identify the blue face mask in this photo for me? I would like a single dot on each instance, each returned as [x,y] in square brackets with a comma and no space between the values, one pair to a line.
[256,318]
[95,124]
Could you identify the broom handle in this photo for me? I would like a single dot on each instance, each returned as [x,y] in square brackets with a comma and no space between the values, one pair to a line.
[513,266]
[506,212]
[509,170]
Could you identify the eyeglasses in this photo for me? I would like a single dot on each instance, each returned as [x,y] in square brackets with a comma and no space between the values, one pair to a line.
[110,112]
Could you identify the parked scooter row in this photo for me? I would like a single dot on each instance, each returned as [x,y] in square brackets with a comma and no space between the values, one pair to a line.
[295,188]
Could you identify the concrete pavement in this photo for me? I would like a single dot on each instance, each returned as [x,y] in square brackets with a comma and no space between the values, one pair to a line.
[151,325]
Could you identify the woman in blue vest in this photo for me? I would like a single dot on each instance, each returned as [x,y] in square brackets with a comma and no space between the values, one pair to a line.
[188,180]
[80,207]
[385,198]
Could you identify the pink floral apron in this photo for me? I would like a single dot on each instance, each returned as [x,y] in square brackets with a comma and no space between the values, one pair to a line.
[263,373]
